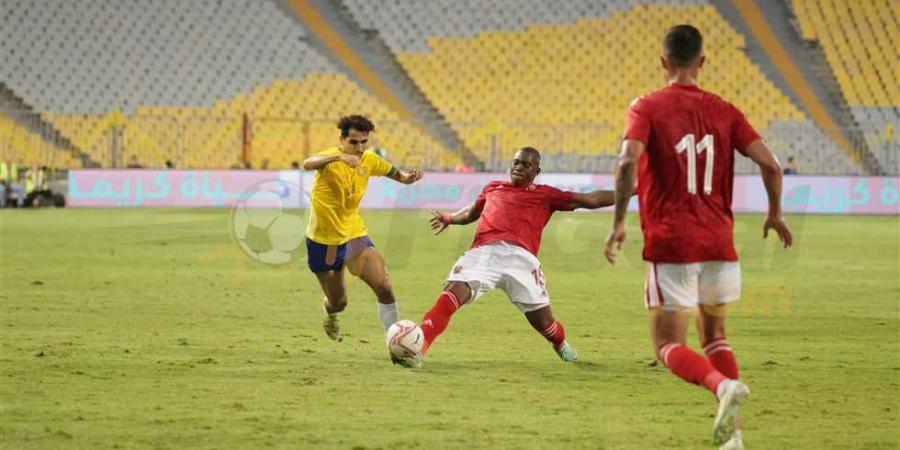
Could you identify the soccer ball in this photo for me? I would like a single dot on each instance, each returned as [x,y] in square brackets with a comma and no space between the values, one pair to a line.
[264,224]
[404,339]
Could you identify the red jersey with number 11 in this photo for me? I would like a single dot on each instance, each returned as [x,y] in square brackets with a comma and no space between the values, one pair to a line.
[686,173]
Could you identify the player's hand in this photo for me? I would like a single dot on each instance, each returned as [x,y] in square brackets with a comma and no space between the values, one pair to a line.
[615,239]
[777,223]
[414,175]
[438,222]
[350,160]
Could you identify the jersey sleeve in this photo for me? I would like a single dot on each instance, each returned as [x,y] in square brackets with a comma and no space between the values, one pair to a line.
[637,123]
[742,133]
[328,152]
[481,199]
[333,151]
[378,167]
[559,200]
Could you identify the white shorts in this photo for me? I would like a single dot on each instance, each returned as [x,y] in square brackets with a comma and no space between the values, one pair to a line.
[687,285]
[504,266]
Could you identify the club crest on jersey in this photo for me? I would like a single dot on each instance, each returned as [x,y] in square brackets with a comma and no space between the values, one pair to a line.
[457,269]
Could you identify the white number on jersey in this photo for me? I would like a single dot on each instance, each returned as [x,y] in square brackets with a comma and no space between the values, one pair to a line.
[687,144]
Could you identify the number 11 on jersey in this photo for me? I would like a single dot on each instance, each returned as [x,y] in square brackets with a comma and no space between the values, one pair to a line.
[687,144]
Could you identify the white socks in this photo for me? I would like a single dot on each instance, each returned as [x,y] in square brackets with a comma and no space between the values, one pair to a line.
[388,314]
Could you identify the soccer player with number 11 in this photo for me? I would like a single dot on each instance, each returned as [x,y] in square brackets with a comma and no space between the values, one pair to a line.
[681,140]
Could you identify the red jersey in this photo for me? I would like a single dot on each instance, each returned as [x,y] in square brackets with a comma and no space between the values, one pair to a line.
[686,174]
[517,214]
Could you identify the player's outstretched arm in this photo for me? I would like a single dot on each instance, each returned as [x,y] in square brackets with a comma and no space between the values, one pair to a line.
[770,169]
[317,162]
[594,200]
[440,221]
[626,171]
[405,176]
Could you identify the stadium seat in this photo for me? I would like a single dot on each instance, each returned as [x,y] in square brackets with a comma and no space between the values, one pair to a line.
[559,76]
[859,39]
[173,81]
[26,147]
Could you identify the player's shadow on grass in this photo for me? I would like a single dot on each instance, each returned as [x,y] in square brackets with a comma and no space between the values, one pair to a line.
[505,368]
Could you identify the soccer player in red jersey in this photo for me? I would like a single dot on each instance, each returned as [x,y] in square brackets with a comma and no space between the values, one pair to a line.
[681,141]
[504,252]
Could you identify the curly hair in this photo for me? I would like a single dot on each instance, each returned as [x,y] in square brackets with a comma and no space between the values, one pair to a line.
[355,122]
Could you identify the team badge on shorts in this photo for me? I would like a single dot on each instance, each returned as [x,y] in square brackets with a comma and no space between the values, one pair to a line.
[457,269]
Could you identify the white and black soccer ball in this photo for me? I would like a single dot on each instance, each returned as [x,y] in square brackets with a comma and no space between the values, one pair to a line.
[404,339]
[266,226]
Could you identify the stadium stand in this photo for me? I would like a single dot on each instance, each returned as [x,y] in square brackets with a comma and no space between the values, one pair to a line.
[205,82]
[559,75]
[26,147]
[860,43]
[174,81]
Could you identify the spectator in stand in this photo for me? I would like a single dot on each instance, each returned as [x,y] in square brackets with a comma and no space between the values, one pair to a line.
[4,182]
[18,189]
[791,167]
[169,164]
[462,167]
[133,163]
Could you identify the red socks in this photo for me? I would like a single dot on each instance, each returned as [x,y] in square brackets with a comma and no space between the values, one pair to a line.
[719,354]
[718,365]
[690,366]
[436,319]
[555,333]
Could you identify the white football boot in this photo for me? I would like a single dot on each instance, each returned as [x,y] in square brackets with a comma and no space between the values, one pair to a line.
[732,394]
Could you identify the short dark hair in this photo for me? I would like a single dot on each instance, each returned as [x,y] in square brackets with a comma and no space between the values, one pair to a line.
[355,122]
[533,151]
[682,45]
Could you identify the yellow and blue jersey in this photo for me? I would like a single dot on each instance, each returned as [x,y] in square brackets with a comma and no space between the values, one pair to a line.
[337,191]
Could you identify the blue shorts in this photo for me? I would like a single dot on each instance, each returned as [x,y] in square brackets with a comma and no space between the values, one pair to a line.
[320,259]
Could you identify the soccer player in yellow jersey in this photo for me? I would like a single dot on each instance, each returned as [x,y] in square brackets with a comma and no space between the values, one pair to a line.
[336,235]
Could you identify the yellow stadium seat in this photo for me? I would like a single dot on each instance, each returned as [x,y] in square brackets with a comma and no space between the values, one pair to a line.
[288,121]
[25,147]
[857,35]
[559,76]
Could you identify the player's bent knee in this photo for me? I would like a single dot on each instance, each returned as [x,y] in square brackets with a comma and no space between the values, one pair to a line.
[461,289]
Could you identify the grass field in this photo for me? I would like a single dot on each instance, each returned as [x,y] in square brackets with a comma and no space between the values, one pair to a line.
[150,329]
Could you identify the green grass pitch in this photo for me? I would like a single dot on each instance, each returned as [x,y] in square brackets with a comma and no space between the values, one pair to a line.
[150,329]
